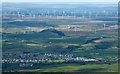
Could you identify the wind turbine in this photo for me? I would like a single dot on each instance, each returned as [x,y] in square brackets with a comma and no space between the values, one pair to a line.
[33,15]
[104,26]
[63,12]
[18,13]
[23,16]
[104,12]
[68,27]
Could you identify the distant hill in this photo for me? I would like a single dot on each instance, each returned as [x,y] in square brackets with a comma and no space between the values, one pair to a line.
[53,31]
[26,23]
[47,33]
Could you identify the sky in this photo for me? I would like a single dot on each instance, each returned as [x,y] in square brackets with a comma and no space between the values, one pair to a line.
[60,0]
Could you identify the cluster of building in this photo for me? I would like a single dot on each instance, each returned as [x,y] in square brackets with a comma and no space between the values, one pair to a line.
[27,59]
[36,57]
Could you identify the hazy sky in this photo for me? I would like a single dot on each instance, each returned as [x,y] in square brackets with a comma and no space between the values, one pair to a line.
[60,0]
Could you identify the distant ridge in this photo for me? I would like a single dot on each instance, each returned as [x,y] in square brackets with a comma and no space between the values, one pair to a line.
[54,31]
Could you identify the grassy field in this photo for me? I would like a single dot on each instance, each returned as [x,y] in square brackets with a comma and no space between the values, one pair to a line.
[77,67]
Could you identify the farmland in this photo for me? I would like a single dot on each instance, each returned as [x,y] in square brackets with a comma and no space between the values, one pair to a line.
[61,39]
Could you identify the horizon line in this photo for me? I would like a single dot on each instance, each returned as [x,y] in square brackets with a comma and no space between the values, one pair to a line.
[60,2]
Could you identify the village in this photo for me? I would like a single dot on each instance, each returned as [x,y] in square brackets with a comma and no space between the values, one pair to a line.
[26,59]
